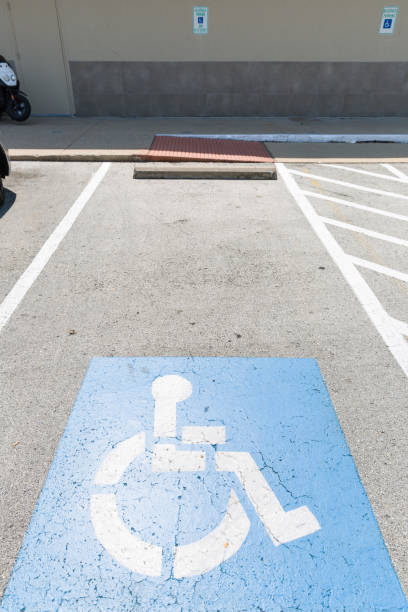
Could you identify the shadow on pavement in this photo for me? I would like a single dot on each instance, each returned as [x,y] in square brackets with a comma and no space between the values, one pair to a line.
[9,199]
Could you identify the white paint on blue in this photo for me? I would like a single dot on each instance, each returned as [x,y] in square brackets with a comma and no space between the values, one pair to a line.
[299,137]
[273,519]
[203,435]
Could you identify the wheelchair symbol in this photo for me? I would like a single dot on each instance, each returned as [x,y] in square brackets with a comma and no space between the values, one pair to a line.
[226,539]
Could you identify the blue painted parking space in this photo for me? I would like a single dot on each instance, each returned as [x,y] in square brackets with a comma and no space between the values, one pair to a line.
[203,484]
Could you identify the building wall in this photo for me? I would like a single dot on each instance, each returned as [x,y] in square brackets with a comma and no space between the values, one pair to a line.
[239,30]
[266,57]
[240,88]
[32,41]
[7,46]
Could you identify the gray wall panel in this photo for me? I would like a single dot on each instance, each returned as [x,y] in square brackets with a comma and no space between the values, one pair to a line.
[240,88]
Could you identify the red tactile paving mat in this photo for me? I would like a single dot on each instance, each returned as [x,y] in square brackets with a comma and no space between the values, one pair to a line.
[174,149]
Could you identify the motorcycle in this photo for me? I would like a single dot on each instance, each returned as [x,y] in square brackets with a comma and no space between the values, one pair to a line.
[12,101]
[4,170]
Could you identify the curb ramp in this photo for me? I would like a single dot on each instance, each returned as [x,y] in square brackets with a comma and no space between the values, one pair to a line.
[205,170]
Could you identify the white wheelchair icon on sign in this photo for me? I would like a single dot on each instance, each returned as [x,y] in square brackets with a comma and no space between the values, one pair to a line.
[226,539]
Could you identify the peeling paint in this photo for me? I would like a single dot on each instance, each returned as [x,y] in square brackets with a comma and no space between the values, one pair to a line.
[272,517]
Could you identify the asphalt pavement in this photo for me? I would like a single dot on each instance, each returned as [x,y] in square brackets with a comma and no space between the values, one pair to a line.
[203,268]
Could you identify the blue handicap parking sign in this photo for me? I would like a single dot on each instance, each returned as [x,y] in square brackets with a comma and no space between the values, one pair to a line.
[387,24]
[203,484]
[200,19]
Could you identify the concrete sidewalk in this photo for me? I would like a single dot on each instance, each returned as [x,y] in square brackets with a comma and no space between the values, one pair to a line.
[120,139]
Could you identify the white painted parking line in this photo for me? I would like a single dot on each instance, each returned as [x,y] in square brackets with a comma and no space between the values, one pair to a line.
[366,232]
[318,177]
[386,177]
[370,265]
[393,339]
[395,171]
[29,276]
[377,211]
[401,326]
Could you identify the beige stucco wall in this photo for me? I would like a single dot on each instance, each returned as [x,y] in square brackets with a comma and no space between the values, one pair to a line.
[42,36]
[248,30]
[38,55]
[7,46]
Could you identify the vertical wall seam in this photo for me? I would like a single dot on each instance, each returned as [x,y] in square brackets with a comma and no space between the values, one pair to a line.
[71,101]
[16,49]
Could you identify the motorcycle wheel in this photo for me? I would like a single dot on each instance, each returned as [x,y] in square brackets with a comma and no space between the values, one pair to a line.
[19,109]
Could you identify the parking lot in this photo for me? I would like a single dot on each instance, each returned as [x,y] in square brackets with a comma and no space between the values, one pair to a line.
[311,265]
[363,209]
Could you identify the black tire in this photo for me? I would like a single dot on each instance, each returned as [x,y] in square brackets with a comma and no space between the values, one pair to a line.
[1,193]
[19,109]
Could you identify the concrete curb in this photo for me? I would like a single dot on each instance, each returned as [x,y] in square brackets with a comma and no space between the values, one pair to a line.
[138,155]
[83,155]
[205,170]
